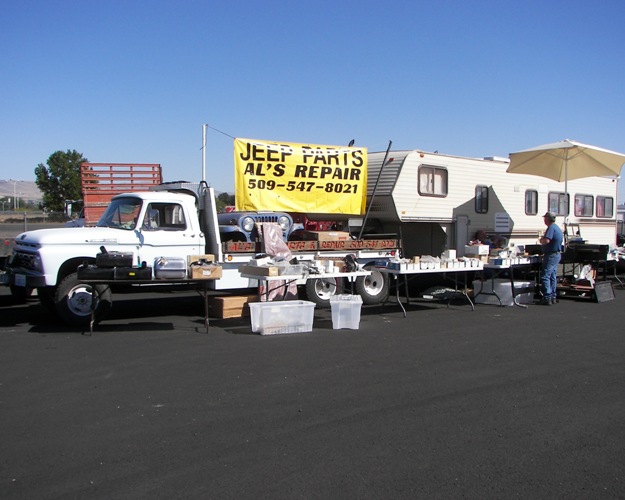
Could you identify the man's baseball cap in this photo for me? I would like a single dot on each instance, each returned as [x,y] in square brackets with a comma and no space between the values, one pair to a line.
[551,216]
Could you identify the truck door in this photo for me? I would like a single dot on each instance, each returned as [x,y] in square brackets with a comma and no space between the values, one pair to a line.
[166,231]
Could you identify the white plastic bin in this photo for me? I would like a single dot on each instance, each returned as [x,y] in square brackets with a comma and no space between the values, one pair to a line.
[345,311]
[484,293]
[289,316]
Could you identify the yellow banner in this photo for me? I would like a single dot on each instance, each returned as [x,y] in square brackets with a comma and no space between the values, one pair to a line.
[302,178]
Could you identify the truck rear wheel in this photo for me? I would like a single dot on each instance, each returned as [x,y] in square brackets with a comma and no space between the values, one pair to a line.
[320,290]
[373,289]
[73,301]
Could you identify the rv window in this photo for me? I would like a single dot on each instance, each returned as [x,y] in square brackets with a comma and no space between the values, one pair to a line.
[481,199]
[432,181]
[558,203]
[583,205]
[531,202]
[605,206]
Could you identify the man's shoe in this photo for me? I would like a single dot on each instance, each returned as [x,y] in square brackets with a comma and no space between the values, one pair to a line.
[545,302]
[554,300]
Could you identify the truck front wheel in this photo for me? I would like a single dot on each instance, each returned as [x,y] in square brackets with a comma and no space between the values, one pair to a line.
[373,289]
[320,290]
[73,301]
[46,297]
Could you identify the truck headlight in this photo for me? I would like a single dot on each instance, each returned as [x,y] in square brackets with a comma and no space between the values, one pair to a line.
[37,264]
[247,224]
[284,222]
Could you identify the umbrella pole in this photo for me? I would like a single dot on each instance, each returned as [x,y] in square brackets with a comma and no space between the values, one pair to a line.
[566,200]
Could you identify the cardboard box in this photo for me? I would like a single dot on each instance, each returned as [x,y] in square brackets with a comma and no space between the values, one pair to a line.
[338,265]
[194,259]
[260,270]
[232,306]
[205,272]
[476,249]
[324,235]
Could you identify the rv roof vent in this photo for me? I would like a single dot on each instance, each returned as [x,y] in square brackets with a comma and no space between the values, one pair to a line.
[497,158]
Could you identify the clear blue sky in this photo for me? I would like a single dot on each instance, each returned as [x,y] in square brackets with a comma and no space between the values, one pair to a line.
[133,81]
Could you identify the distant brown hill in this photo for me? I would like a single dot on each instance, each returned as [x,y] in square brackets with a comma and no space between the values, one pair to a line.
[28,189]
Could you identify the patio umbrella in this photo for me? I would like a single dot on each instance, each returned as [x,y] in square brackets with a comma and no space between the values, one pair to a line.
[567,160]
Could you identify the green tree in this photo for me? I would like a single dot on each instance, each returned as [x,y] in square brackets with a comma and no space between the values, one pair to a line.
[60,180]
[223,200]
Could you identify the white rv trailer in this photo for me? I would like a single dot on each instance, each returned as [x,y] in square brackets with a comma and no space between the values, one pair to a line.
[436,202]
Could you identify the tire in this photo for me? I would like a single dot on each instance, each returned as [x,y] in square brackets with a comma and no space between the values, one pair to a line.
[72,301]
[373,289]
[46,297]
[320,290]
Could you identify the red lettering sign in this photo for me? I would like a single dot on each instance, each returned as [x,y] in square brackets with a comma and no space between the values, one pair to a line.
[239,246]
[300,246]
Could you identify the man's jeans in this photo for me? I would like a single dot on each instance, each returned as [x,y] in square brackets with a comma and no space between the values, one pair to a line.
[549,274]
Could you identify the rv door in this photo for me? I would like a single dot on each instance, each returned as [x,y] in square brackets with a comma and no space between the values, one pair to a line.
[461,233]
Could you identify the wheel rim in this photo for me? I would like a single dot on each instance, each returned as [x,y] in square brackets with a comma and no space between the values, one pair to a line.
[374,283]
[79,300]
[325,288]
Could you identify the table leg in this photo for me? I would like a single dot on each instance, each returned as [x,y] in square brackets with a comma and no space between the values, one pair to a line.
[464,290]
[620,282]
[206,320]
[93,307]
[397,297]
[515,300]
[461,292]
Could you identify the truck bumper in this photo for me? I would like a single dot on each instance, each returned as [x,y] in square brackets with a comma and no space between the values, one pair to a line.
[22,279]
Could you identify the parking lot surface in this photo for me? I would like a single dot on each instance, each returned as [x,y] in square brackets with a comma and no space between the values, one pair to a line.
[499,402]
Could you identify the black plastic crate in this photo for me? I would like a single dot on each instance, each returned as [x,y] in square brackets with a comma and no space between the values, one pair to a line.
[113,259]
[89,272]
[132,273]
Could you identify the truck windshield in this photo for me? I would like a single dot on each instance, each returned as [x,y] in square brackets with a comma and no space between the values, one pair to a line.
[122,213]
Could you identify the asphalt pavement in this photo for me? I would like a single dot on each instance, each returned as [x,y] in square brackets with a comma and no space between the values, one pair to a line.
[499,402]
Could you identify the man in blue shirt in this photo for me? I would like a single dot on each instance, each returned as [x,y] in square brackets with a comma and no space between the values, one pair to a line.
[551,243]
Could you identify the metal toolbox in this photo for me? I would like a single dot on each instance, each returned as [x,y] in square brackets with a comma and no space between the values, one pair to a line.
[170,267]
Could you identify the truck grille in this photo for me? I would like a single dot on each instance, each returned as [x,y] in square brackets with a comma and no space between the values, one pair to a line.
[265,218]
[24,260]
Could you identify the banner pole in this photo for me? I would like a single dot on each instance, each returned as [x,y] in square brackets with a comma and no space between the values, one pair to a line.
[204,152]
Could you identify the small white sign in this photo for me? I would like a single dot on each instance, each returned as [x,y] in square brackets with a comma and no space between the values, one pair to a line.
[502,222]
